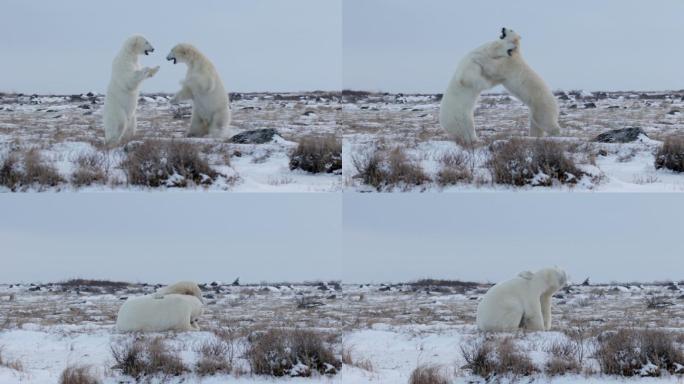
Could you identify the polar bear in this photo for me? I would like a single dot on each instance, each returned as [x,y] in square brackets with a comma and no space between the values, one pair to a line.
[202,84]
[181,288]
[527,86]
[469,81]
[149,313]
[521,302]
[122,94]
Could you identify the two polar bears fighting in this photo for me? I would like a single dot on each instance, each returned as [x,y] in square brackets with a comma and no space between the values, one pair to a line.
[521,302]
[202,85]
[176,307]
[496,63]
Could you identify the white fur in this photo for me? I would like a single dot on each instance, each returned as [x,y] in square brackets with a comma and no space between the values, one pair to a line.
[521,302]
[527,86]
[124,88]
[458,101]
[497,62]
[202,84]
[181,288]
[150,313]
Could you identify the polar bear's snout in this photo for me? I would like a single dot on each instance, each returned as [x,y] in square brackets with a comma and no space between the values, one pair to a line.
[503,33]
[148,51]
[171,57]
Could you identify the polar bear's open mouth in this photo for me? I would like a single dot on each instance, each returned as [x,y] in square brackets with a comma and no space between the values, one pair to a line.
[503,34]
[147,51]
[172,59]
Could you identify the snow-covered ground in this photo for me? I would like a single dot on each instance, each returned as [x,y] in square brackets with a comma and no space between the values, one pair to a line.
[63,128]
[386,121]
[386,331]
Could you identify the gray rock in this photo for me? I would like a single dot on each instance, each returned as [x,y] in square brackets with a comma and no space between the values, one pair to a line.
[256,136]
[624,135]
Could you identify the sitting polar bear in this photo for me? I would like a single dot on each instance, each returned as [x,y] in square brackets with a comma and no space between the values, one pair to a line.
[124,87]
[497,62]
[202,84]
[182,288]
[521,302]
[176,307]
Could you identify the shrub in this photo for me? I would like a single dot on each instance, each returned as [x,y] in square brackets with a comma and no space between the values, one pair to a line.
[487,358]
[671,155]
[89,170]
[428,374]
[78,375]
[317,155]
[281,352]
[30,170]
[143,357]
[631,352]
[388,170]
[564,358]
[524,162]
[156,163]
[454,169]
[215,357]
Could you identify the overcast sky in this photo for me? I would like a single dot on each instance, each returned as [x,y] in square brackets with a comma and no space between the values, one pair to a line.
[257,45]
[415,46]
[493,236]
[167,237]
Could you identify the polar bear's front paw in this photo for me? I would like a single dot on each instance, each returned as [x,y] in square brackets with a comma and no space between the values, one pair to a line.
[152,71]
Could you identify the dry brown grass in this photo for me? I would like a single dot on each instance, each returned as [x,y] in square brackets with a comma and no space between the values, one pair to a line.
[455,168]
[144,357]
[521,162]
[387,170]
[671,154]
[90,169]
[155,163]
[626,351]
[494,357]
[78,375]
[20,172]
[317,154]
[564,358]
[11,364]
[428,374]
[218,355]
[291,352]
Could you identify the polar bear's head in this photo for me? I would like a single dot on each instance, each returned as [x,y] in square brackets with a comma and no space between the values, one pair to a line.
[510,36]
[139,45]
[183,53]
[552,279]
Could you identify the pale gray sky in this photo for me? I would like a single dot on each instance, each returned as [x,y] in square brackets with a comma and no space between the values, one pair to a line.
[493,236]
[166,237]
[257,45]
[415,46]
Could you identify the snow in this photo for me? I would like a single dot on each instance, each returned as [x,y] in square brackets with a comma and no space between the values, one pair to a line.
[411,122]
[66,127]
[387,333]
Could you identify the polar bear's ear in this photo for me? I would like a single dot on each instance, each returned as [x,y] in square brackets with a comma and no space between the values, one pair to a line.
[527,275]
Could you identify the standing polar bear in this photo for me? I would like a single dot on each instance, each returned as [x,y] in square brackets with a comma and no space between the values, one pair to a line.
[177,307]
[469,81]
[521,302]
[202,84]
[497,62]
[124,88]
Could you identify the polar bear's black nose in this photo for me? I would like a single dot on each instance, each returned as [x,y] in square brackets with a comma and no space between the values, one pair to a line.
[503,33]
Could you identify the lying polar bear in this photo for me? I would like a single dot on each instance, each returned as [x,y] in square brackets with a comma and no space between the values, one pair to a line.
[202,84]
[176,307]
[124,87]
[469,81]
[521,302]
[182,288]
